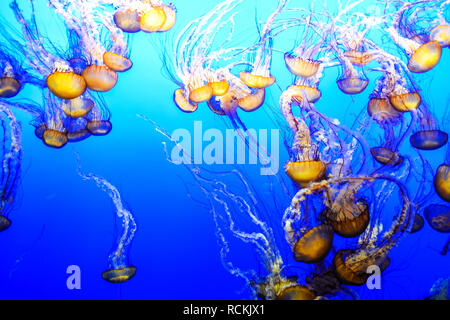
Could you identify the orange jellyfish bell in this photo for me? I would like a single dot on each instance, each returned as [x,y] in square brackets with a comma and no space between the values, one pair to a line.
[54,138]
[349,221]
[66,85]
[405,102]
[255,81]
[219,88]
[171,18]
[182,103]
[253,101]
[99,127]
[425,58]
[298,91]
[116,62]
[119,275]
[314,245]
[441,34]
[153,19]
[78,107]
[381,110]
[386,157]
[296,292]
[352,85]
[201,94]
[442,182]
[5,223]
[301,67]
[9,87]
[429,139]
[346,274]
[99,78]
[358,58]
[304,172]
[128,20]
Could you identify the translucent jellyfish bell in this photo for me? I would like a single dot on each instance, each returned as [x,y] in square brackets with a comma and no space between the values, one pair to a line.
[314,245]
[296,292]
[99,127]
[438,216]
[352,85]
[298,66]
[442,182]
[256,81]
[346,274]
[441,34]
[381,110]
[66,85]
[418,223]
[5,223]
[182,103]
[298,91]
[201,94]
[304,172]
[128,20]
[78,107]
[358,58]
[99,78]
[9,87]
[116,62]
[386,157]
[429,139]
[253,101]
[119,275]
[153,19]
[350,220]
[405,102]
[54,138]
[219,88]
[425,58]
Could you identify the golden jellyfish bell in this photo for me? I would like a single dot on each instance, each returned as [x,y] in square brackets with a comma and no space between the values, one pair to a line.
[269,286]
[182,103]
[303,172]
[299,91]
[405,102]
[350,220]
[381,110]
[442,182]
[153,19]
[358,58]
[201,94]
[54,138]
[347,275]
[441,34]
[386,157]
[5,223]
[78,107]
[99,78]
[255,81]
[425,58]
[9,87]
[171,18]
[253,101]
[116,62]
[219,88]
[119,275]
[301,67]
[99,127]
[66,85]
[314,245]
[296,292]
[128,20]
[352,85]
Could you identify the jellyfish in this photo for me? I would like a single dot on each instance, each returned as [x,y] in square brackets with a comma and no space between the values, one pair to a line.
[424,54]
[428,136]
[11,162]
[314,245]
[119,268]
[438,216]
[439,291]
[442,182]
[418,223]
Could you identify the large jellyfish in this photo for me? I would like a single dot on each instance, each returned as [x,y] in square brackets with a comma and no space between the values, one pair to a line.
[11,162]
[119,268]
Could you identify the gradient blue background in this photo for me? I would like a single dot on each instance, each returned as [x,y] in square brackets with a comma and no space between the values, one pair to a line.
[61,220]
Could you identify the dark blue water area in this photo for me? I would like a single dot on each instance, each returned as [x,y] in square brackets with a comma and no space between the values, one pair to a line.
[60,220]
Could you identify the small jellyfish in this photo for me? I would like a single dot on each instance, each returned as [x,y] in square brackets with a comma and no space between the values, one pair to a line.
[381,110]
[311,94]
[76,130]
[441,34]
[253,101]
[66,85]
[5,223]
[128,20]
[350,219]
[99,127]
[314,245]
[99,78]
[386,157]
[405,102]
[201,94]
[119,275]
[78,107]
[171,18]
[9,87]
[219,88]
[442,182]
[296,292]
[256,81]
[153,20]
[425,58]
[304,172]
[182,102]
[358,58]
[418,223]
[54,138]
[429,139]
[301,67]
[440,291]
[116,62]
[353,83]
[438,216]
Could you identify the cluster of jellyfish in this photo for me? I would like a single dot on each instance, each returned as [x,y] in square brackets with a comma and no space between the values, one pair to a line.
[71,79]
[341,217]
[345,198]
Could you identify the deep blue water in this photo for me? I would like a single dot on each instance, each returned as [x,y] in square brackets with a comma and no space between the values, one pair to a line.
[61,220]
